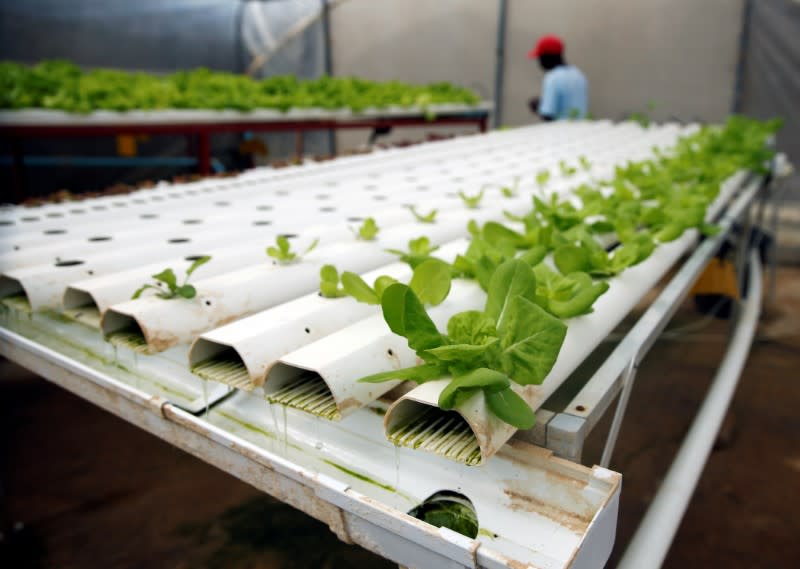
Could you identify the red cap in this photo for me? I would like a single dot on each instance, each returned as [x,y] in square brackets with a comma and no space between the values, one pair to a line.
[547,45]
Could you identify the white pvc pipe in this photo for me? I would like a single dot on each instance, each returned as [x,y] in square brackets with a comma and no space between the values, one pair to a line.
[260,340]
[651,543]
[364,348]
[227,297]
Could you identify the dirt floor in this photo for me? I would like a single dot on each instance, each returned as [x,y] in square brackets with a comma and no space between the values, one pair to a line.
[85,489]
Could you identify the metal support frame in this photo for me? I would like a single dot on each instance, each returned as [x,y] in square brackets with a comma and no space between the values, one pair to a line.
[567,430]
[500,61]
[653,538]
[203,130]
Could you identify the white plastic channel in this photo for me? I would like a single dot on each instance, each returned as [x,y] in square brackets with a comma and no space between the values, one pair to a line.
[154,325]
[363,348]
[44,284]
[248,348]
[538,511]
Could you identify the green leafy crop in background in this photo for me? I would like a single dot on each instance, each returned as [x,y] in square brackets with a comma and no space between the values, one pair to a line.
[62,85]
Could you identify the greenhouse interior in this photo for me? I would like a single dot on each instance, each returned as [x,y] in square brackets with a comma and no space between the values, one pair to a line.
[494,284]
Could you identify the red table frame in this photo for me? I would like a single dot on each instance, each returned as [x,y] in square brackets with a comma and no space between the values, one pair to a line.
[203,131]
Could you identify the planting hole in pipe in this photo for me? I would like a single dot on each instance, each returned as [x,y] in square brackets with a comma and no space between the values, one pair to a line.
[264,208]
[98,238]
[301,389]
[327,209]
[450,510]
[192,221]
[99,207]
[29,218]
[6,222]
[68,263]
[225,366]
[55,231]
[379,198]
[260,222]
[55,214]
[424,427]
[178,240]
[222,204]
[149,216]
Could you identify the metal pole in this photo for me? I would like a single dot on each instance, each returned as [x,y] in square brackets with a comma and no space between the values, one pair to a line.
[652,540]
[744,42]
[628,379]
[328,47]
[499,67]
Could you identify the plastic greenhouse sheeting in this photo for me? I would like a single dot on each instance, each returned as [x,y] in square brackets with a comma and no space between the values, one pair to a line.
[155,35]
[159,36]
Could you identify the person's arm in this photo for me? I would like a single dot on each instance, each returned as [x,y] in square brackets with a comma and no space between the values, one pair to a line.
[547,108]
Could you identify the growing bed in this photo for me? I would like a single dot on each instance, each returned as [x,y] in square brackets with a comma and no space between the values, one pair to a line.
[287,413]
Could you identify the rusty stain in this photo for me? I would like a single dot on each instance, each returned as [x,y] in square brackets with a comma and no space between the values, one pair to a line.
[349,403]
[514,564]
[522,502]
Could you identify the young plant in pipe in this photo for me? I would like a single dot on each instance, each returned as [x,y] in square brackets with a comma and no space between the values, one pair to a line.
[419,251]
[330,395]
[368,230]
[282,251]
[429,217]
[167,278]
[430,281]
[511,341]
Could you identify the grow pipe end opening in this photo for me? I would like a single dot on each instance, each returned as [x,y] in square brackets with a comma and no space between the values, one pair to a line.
[13,295]
[219,362]
[449,509]
[422,426]
[124,331]
[301,389]
[80,306]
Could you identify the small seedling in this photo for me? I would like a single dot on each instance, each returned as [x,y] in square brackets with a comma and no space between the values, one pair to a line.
[329,282]
[566,169]
[419,250]
[426,218]
[283,252]
[511,191]
[472,202]
[542,177]
[584,162]
[174,290]
[368,230]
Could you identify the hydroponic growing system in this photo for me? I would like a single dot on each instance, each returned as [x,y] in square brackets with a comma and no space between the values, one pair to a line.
[253,362]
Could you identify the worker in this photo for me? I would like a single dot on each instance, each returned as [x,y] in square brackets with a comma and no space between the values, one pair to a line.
[565,91]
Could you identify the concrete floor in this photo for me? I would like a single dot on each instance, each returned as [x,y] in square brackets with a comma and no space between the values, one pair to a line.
[94,491]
